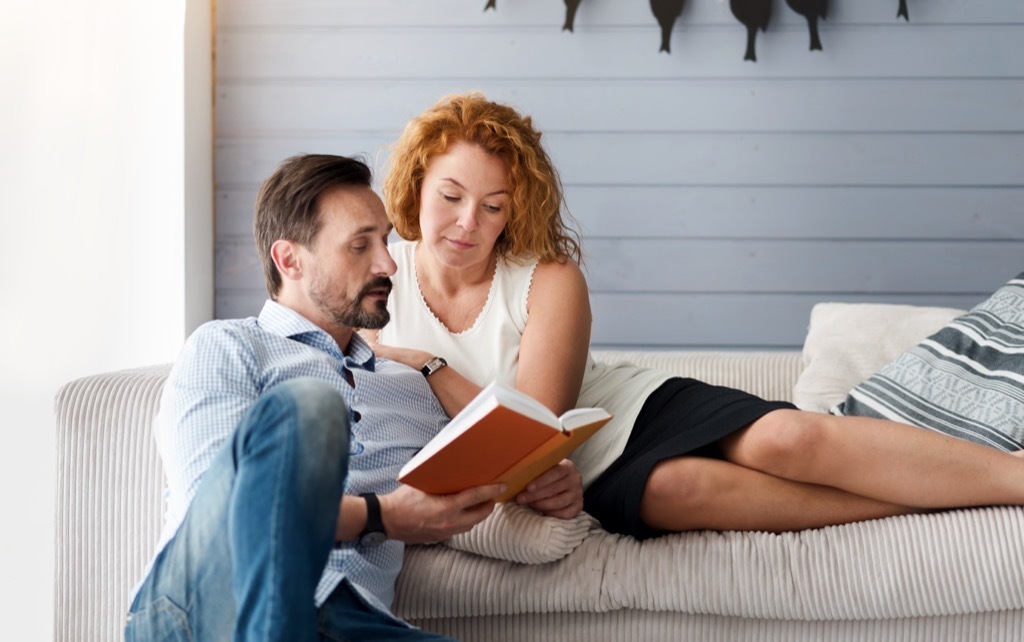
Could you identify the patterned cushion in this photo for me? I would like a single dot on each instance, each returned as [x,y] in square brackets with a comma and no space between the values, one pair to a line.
[966,380]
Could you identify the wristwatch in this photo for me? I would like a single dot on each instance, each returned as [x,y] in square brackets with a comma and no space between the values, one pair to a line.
[373,534]
[432,366]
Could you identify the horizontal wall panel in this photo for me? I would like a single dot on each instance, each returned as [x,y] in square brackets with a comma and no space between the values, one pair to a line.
[698,321]
[825,213]
[443,13]
[799,212]
[250,161]
[659,265]
[790,159]
[649,106]
[238,266]
[708,158]
[727,266]
[239,304]
[454,54]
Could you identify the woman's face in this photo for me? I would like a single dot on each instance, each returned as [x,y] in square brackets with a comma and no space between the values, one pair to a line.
[464,205]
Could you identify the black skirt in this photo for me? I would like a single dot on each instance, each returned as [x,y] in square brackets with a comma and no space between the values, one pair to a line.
[681,417]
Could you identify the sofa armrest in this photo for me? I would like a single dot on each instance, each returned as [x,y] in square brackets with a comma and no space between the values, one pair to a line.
[109,499]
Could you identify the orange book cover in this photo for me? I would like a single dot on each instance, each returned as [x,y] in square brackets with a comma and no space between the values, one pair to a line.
[503,435]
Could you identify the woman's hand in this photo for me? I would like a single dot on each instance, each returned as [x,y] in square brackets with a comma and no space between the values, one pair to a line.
[556,493]
[409,356]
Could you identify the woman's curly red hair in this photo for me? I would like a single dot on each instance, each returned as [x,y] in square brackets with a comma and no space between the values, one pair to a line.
[536,227]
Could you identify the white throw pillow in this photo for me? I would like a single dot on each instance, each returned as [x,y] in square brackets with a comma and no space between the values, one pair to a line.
[848,342]
[519,534]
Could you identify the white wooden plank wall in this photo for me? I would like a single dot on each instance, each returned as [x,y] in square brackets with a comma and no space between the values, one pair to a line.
[719,199]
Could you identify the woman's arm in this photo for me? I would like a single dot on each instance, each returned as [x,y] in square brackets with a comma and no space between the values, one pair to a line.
[452,389]
[552,362]
[555,343]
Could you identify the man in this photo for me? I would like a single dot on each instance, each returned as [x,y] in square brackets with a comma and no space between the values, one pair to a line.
[277,433]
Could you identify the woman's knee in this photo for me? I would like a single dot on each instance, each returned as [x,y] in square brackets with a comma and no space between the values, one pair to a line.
[678,484]
[783,443]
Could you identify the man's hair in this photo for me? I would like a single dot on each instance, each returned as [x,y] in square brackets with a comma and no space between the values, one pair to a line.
[288,205]
[535,226]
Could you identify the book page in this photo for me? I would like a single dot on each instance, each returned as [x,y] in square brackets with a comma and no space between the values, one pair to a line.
[577,417]
[524,404]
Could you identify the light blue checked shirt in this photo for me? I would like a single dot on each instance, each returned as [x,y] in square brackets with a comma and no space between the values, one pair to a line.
[226,365]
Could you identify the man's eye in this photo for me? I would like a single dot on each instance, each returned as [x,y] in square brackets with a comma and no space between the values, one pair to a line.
[359,248]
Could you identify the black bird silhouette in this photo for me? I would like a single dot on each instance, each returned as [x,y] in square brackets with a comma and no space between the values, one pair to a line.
[902,12]
[491,4]
[570,13]
[755,15]
[812,10]
[666,11]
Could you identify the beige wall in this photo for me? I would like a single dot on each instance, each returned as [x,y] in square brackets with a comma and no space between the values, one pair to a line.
[96,239]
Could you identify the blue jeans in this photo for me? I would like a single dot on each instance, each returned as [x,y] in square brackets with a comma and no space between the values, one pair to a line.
[246,561]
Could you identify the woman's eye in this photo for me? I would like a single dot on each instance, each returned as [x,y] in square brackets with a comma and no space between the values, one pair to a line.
[450,198]
[493,209]
[359,248]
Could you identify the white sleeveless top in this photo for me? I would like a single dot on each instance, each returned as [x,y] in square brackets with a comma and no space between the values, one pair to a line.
[489,351]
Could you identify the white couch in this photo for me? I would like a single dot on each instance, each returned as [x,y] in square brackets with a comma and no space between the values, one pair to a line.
[956,575]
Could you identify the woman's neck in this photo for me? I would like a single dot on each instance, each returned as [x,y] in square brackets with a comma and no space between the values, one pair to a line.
[450,281]
[455,296]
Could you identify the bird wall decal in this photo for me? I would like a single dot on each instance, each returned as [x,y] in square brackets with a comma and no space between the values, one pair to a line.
[666,12]
[755,15]
[570,13]
[812,10]
[491,4]
[902,12]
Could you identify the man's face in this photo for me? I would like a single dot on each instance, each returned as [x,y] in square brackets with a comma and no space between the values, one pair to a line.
[345,272]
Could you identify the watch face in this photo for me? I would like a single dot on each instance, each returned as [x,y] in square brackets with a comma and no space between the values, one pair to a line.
[433,366]
[375,538]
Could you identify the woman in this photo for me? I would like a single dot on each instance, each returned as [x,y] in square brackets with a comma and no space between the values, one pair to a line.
[489,280]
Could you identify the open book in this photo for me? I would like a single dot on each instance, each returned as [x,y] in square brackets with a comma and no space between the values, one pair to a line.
[503,435]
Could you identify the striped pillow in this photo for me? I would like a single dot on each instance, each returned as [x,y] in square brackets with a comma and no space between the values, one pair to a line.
[966,380]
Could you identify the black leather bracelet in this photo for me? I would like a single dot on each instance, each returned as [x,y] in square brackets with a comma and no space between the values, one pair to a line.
[373,533]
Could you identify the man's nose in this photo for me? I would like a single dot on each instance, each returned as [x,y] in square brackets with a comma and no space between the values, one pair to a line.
[384,265]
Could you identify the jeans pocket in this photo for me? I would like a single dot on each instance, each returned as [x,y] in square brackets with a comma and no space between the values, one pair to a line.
[159,621]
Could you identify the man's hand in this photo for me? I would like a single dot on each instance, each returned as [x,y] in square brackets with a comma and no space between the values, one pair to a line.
[415,517]
[557,492]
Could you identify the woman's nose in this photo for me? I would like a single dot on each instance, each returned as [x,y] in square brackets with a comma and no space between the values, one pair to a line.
[467,219]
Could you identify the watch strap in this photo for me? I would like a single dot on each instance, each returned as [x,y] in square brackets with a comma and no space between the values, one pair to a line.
[373,533]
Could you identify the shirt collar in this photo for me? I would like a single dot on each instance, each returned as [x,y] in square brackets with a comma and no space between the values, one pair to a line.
[285,322]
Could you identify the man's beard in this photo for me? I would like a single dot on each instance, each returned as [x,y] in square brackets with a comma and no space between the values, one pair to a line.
[352,313]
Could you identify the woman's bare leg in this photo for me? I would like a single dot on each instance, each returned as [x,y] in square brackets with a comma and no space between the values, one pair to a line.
[883,460]
[691,493]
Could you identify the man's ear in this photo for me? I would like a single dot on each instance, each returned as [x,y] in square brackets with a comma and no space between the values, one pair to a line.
[286,258]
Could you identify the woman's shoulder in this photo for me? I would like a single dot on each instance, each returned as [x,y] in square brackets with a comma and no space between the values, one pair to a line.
[565,273]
